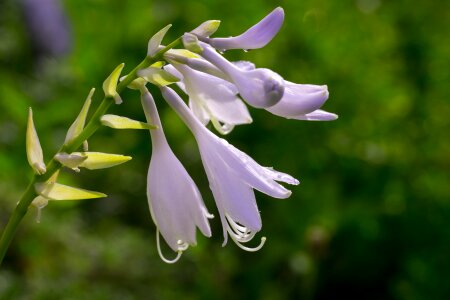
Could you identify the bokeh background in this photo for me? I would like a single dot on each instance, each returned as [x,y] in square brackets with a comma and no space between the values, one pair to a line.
[370,220]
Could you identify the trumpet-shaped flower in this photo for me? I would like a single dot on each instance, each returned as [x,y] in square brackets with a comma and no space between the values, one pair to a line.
[215,99]
[259,87]
[299,101]
[176,205]
[232,175]
[255,37]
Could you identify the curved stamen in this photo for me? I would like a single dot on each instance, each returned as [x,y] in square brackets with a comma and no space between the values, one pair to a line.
[160,252]
[241,234]
[182,246]
[238,243]
[237,226]
[222,129]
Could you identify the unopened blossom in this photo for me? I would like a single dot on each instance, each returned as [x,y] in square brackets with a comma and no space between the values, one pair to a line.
[232,175]
[255,37]
[213,99]
[176,205]
[259,87]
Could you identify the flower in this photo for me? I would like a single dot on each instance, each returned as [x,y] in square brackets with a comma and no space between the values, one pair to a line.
[176,205]
[212,98]
[255,37]
[259,87]
[302,102]
[232,175]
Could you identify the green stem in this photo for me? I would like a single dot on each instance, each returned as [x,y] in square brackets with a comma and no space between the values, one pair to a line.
[53,165]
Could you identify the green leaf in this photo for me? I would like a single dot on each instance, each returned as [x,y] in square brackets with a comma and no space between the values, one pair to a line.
[56,191]
[78,125]
[33,147]
[118,122]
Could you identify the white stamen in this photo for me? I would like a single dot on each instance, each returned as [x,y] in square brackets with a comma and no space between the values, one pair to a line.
[222,129]
[263,240]
[162,256]
[241,234]
[182,246]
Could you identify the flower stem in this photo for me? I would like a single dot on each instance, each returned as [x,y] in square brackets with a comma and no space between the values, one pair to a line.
[53,166]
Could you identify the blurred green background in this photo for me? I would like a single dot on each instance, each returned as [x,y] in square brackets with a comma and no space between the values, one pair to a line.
[370,219]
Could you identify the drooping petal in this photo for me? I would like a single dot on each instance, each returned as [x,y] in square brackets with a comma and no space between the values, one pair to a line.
[300,99]
[318,115]
[216,97]
[256,36]
[260,87]
[234,196]
[175,203]
[33,146]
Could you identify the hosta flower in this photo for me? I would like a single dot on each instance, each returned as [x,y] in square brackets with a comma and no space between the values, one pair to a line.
[259,87]
[215,99]
[175,202]
[232,175]
[255,37]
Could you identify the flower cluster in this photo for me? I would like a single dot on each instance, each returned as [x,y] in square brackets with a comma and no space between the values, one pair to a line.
[218,90]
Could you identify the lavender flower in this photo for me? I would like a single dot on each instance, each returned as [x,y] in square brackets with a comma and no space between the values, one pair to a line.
[176,205]
[232,175]
[260,87]
[212,98]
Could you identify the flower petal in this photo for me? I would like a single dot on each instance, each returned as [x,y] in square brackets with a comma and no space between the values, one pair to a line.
[216,96]
[256,36]
[260,87]
[300,99]
[318,115]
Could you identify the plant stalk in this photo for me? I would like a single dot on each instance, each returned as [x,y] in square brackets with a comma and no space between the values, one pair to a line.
[92,126]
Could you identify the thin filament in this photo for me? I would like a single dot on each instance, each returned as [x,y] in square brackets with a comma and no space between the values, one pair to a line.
[160,252]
